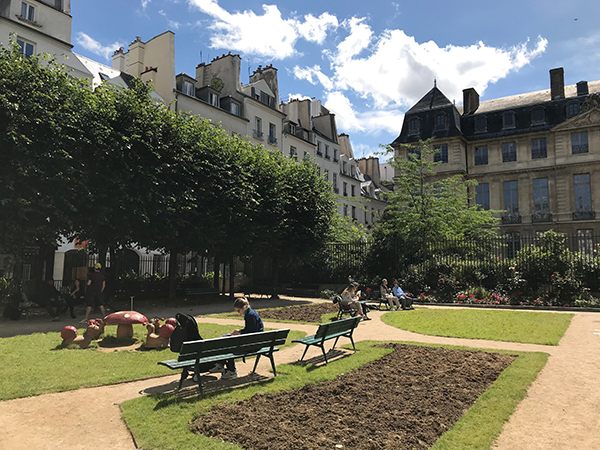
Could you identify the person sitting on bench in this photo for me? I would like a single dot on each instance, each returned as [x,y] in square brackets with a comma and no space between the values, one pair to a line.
[404,298]
[385,293]
[253,324]
[350,298]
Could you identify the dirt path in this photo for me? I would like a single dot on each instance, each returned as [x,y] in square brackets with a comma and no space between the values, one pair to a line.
[561,410]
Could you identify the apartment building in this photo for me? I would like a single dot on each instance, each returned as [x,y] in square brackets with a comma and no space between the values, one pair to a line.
[536,156]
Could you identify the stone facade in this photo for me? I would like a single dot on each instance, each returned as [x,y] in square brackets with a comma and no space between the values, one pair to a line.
[536,156]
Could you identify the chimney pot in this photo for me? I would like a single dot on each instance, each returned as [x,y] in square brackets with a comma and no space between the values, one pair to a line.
[582,88]
[557,83]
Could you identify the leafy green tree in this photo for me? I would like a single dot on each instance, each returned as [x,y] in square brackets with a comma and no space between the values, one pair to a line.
[40,126]
[426,208]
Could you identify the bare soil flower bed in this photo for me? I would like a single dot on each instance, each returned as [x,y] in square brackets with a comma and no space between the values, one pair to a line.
[303,313]
[404,400]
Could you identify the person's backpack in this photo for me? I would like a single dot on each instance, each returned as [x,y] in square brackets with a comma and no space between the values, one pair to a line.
[186,330]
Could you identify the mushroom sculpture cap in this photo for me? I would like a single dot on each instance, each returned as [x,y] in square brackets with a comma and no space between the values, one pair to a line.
[125,318]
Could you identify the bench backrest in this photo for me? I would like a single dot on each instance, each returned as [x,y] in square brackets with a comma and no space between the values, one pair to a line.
[241,344]
[337,326]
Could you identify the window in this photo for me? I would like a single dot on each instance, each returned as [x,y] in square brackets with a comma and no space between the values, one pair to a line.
[25,48]
[366,216]
[27,11]
[258,128]
[414,126]
[213,99]
[538,148]
[335,155]
[345,168]
[508,120]
[307,157]
[579,142]
[541,202]
[481,124]
[511,198]
[326,175]
[345,210]
[413,153]
[335,181]
[187,87]
[352,192]
[293,152]
[538,116]
[585,241]
[441,122]
[481,155]
[482,196]
[583,192]
[345,191]
[572,109]
[319,151]
[509,152]
[354,212]
[352,171]
[272,133]
[513,244]
[292,129]
[235,109]
[327,151]
[441,154]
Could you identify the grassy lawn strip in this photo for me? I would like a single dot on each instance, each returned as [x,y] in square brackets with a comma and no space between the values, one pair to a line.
[33,364]
[161,421]
[510,326]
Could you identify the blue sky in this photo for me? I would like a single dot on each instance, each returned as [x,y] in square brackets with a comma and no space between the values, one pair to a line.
[368,61]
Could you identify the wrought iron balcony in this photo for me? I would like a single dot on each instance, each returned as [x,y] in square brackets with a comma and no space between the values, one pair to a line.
[511,218]
[544,216]
[584,215]
[272,140]
[258,134]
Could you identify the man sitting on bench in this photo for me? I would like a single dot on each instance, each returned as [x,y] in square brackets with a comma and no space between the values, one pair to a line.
[404,298]
[253,324]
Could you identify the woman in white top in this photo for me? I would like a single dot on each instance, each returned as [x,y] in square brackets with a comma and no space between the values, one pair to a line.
[350,298]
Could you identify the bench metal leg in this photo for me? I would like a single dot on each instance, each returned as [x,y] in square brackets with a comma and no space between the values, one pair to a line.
[198,377]
[335,343]
[352,340]
[324,354]
[256,363]
[273,364]
[184,375]
[305,350]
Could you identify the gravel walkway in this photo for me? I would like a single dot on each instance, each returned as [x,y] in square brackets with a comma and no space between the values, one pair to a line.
[561,410]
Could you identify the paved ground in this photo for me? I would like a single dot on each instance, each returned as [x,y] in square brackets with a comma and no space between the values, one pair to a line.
[561,410]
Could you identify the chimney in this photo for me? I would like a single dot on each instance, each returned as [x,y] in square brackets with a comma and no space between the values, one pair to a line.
[118,60]
[582,88]
[470,101]
[557,83]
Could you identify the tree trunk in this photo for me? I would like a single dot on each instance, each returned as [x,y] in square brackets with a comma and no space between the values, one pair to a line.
[231,277]
[275,277]
[217,267]
[172,275]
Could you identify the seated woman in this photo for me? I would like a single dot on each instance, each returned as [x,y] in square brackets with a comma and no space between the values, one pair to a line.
[386,294]
[350,298]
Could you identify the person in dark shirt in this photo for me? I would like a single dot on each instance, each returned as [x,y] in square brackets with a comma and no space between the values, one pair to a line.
[252,324]
[95,292]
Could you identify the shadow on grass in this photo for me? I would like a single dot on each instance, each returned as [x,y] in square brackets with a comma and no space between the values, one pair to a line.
[113,342]
[317,362]
[211,386]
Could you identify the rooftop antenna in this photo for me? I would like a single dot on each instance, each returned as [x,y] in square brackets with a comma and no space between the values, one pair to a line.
[201,56]
[434,82]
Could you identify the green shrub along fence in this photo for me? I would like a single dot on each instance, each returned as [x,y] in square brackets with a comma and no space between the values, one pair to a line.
[548,269]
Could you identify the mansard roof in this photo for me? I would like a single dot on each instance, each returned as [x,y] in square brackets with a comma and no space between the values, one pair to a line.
[434,99]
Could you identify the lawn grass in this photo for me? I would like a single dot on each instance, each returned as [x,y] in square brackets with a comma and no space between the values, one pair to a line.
[510,326]
[35,364]
[161,421]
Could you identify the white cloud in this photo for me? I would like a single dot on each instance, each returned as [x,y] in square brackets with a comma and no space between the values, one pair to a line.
[297,97]
[172,24]
[248,32]
[95,47]
[144,3]
[398,70]
[313,75]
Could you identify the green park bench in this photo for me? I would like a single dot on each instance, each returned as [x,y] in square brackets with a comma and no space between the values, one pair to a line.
[191,291]
[326,331]
[195,354]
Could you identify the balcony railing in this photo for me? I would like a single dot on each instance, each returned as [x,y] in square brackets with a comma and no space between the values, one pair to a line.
[584,215]
[541,217]
[272,139]
[258,134]
[511,218]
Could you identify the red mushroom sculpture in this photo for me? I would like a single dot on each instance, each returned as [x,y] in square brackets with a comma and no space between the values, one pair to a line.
[125,321]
